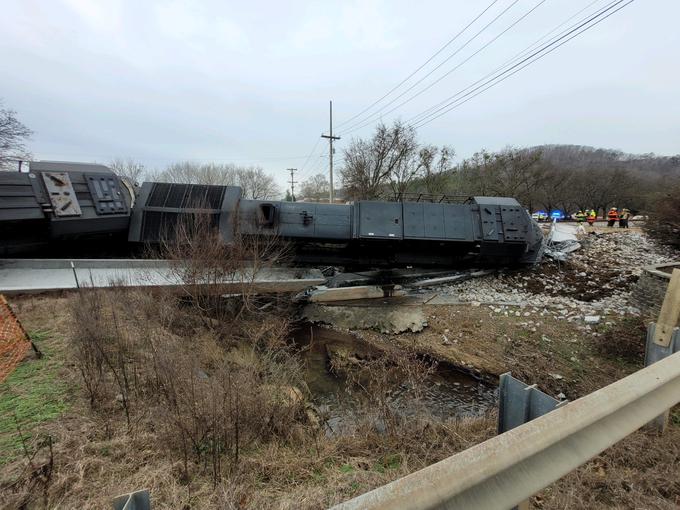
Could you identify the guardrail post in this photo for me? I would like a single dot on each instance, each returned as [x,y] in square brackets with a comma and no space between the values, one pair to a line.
[654,352]
[663,338]
[669,316]
[519,403]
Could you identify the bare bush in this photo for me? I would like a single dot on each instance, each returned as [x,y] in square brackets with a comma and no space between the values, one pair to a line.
[210,367]
[375,383]
[663,223]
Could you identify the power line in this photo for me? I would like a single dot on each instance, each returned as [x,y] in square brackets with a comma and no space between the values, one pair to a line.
[512,60]
[316,165]
[450,41]
[589,19]
[376,114]
[432,84]
[588,25]
[318,140]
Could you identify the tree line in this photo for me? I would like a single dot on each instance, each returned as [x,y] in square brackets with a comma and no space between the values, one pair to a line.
[393,165]
[253,180]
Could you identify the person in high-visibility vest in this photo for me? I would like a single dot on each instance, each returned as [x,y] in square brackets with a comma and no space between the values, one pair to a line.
[623,218]
[612,216]
[580,216]
[592,216]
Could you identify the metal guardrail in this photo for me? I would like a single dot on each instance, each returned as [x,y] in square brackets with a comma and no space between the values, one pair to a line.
[138,500]
[20,276]
[509,468]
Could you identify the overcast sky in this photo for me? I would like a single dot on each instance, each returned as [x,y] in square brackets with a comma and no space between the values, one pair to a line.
[249,82]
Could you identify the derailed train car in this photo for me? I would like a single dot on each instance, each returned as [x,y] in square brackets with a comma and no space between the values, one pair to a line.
[57,203]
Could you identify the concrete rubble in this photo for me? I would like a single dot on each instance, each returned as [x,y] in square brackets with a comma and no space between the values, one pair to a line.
[386,319]
[593,284]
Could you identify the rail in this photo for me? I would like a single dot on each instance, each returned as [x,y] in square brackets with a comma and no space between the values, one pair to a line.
[436,198]
[511,467]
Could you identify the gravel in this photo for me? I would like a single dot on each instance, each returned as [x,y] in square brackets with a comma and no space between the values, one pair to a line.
[595,281]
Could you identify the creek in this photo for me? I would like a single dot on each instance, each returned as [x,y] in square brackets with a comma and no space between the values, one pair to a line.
[447,392]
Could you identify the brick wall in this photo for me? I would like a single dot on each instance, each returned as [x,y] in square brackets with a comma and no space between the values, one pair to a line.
[650,289]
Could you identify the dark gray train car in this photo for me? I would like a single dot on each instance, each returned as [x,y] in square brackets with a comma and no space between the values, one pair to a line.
[491,230]
[59,202]
[88,210]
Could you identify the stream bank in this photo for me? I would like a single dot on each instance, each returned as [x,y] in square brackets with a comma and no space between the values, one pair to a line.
[446,392]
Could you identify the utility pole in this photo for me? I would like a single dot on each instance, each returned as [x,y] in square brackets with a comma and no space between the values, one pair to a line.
[292,182]
[330,153]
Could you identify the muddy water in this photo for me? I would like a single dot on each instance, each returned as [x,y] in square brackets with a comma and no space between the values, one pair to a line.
[447,393]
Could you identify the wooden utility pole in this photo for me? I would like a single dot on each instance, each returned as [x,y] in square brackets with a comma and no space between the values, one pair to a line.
[292,182]
[330,137]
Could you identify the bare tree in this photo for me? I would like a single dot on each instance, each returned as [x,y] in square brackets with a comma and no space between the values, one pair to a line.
[132,170]
[436,169]
[13,135]
[195,173]
[510,173]
[256,184]
[315,188]
[387,160]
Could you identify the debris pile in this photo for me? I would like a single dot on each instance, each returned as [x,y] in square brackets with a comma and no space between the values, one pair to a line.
[563,240]
[595,280]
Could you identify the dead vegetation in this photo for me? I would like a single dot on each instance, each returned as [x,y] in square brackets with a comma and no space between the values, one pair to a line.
[639,472]
[206,420]
[663,224]
[96,456]
[560,356]
[196,394]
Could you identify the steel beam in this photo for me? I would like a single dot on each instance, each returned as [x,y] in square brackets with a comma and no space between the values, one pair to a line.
[20,276]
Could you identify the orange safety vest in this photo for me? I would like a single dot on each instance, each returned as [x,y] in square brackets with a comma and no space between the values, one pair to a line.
[613,215]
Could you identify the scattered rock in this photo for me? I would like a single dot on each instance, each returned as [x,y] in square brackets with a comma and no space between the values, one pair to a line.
[578,284]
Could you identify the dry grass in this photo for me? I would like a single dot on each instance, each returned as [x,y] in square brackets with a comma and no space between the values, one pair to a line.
[97,453]
[640,472]
[488,344]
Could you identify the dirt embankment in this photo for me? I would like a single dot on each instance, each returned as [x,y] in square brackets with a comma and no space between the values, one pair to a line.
[571,328]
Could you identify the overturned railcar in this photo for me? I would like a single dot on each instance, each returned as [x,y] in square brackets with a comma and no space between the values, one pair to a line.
[486,230]
[63,202]
[72,206]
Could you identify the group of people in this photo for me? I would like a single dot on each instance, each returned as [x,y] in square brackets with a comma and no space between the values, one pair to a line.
[589,215]
[612,217]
